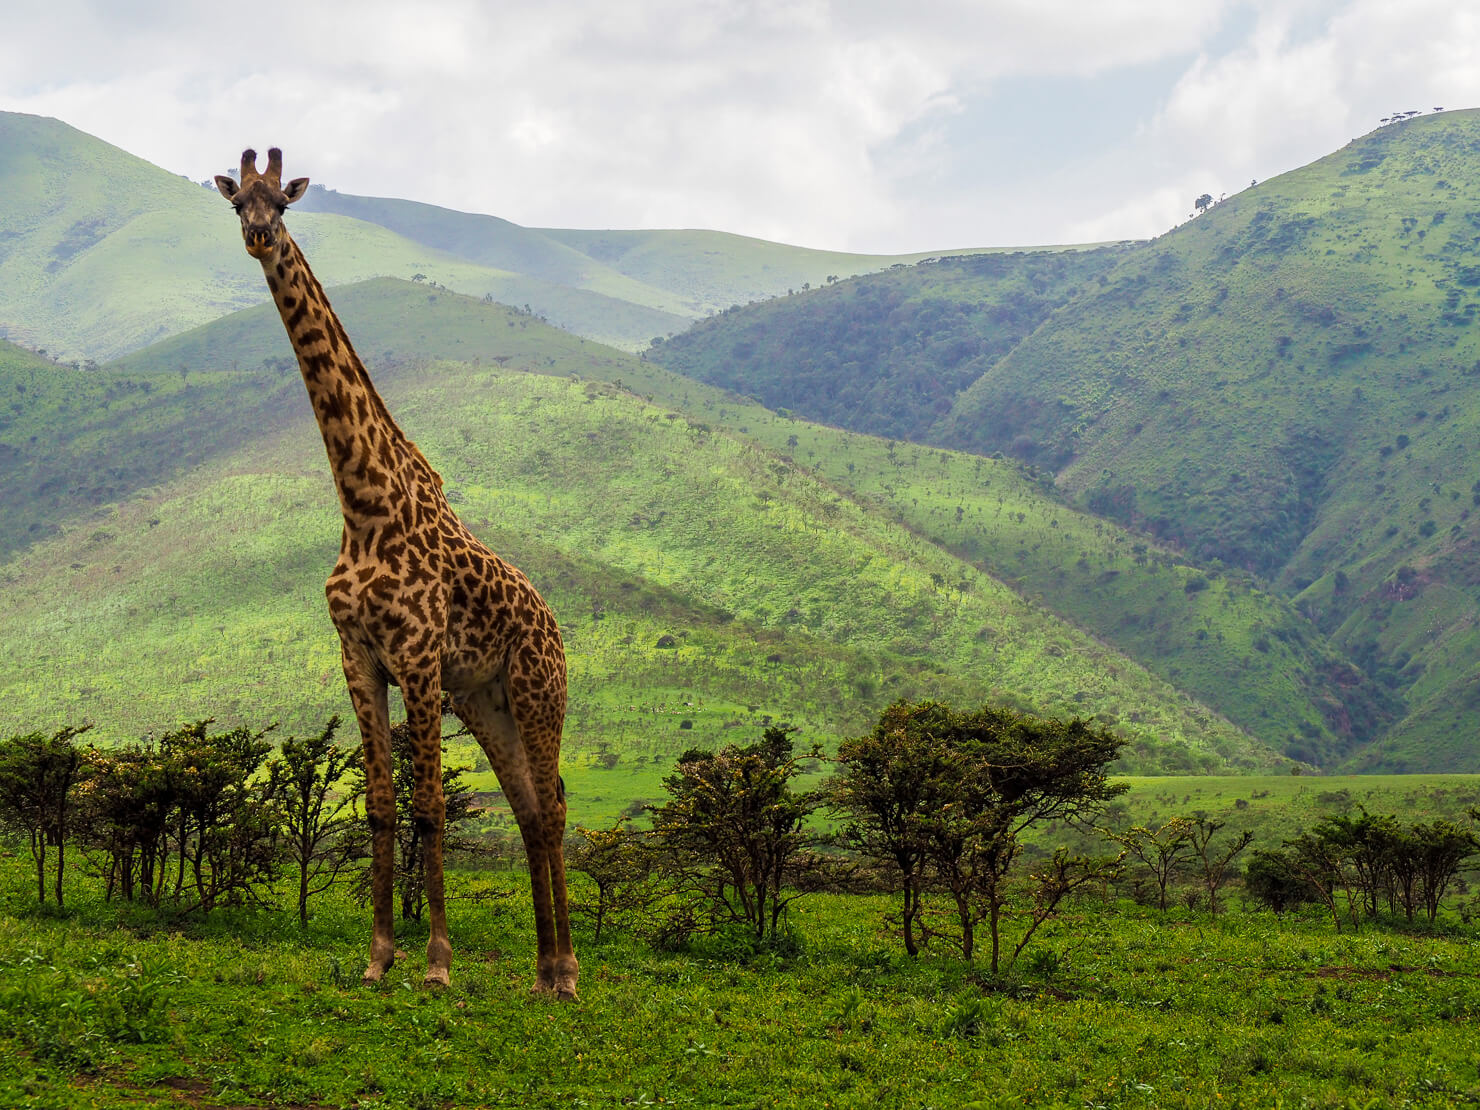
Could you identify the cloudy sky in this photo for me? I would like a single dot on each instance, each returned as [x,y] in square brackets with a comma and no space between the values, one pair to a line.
[865,125]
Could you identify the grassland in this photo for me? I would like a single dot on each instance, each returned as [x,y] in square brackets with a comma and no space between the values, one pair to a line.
[1260,470]
[781,597]
[223,400]
[110,1007]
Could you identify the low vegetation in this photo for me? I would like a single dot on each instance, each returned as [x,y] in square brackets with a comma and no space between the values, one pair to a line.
[812,1000]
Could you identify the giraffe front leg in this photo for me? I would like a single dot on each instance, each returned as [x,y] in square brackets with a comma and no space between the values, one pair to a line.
[423,696]
[368,693]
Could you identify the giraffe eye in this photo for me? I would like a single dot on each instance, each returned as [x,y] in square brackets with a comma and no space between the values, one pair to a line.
[237,207]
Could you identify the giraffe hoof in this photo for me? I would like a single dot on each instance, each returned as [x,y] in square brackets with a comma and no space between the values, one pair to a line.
[437,978]
[377,968]
[556,991]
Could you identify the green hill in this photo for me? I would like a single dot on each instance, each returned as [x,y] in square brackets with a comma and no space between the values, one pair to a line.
[780,594]
[886,354]
[1280,385]
[102,253]
[688,274]
[1287,384]
[1271,394]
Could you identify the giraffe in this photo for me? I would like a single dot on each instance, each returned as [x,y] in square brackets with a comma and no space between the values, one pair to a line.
[419,603]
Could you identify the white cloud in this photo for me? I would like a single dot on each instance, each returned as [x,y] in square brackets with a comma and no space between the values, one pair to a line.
[1284,98]
[826,122]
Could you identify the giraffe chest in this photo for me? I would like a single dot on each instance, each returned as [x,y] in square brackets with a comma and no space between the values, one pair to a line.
[397,617]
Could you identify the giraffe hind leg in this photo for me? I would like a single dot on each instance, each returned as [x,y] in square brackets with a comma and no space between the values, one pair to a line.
[537,702]
[487,715]
[567,968]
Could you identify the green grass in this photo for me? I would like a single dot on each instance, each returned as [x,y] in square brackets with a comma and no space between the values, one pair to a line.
[1113,1006]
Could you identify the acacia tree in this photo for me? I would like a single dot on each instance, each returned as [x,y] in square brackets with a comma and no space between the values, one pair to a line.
[887,782]
[317,809]
[224,825]
[194,793]
[1213,861]
[619,861]
[1365,847]
[1161,851]
[733,833]
[1440,851]
[1010,771]
[37,777]
[127,803]
[965,788]
[1272,878]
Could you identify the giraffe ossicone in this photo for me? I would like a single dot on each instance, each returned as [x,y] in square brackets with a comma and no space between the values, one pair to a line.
[419,603]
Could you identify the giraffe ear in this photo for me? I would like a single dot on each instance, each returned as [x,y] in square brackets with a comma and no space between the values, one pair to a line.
[295,189]
[226,185]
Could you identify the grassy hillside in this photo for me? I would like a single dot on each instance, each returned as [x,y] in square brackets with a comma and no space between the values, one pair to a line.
[1285,384]
[715,270]
[1278,386]
[103,254]
[1377,570]
[1212,632]
[688,274]
[73,441]
[1251,659]
[202,594]
[887,355]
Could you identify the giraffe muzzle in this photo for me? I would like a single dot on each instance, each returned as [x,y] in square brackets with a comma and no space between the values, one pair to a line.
[259,241]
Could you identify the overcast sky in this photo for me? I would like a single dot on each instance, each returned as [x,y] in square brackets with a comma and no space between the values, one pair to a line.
[877,126]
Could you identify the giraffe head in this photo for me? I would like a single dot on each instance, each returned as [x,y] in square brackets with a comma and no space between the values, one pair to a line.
[260,200]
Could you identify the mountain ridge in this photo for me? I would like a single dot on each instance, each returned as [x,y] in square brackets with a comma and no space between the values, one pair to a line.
[1282,384]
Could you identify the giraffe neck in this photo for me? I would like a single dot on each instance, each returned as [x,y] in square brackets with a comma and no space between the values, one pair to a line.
[372,460]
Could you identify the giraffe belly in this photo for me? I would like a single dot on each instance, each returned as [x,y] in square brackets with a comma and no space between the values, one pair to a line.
[465,671]
[397,630]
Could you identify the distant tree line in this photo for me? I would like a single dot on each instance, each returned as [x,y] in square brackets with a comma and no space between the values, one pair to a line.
[198,819]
